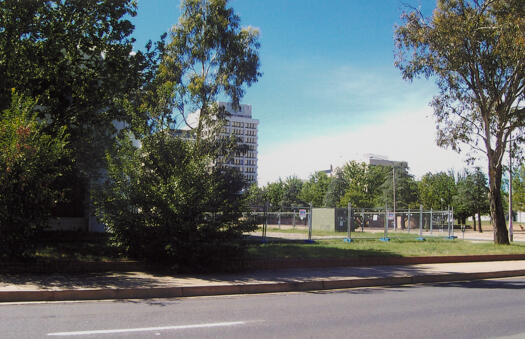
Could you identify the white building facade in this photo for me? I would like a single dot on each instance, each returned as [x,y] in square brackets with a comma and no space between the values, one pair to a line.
[241,124]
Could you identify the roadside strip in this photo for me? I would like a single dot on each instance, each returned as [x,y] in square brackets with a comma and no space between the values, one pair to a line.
[248,288]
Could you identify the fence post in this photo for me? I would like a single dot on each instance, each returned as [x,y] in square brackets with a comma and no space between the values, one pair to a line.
[310,215]
[294,218]
[349,224]
[362,219]
[448,222]
[265,224]
[385,236]
[279,216]
[421,223]
[452,221]
[409,220]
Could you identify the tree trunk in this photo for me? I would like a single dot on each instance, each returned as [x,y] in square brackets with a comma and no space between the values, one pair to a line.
[501,235]
[474,222]
[479,222]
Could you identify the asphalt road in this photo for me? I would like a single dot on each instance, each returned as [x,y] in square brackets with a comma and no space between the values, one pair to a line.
[482,309]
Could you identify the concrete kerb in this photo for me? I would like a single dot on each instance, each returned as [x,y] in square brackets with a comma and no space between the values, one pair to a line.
[270,287]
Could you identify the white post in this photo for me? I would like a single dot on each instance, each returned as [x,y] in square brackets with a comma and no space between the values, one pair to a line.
[430,220]
[310,224]
[349,224]
[420,221]
[394,190]
[362,219]
[409,220]
[385,236]
[452,220]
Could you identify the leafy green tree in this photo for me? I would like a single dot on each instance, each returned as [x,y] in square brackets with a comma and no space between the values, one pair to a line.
[292,189]
[480,194]
[461,201]
[471,196]
[275,194]
[75,57]
[336,189]
[363,184]
[437,190]
[171,200]
[314,190]
[355,175]
[209,54]
[405,186]
[474,49]
[518,188]
[30,162]
[256,196]
[166,202]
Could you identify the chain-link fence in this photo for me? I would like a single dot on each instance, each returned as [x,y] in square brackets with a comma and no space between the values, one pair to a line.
[322,223]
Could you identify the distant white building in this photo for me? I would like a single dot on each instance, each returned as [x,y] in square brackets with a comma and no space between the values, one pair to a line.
[379,160]
[241,124]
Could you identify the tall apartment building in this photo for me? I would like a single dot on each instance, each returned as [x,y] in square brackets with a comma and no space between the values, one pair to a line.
[241,124]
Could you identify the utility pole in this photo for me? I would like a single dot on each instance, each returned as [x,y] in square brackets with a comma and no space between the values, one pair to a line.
[394,192]
[511,233]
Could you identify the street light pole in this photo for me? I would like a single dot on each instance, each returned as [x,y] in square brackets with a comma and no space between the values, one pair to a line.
[511,233]
[394,191]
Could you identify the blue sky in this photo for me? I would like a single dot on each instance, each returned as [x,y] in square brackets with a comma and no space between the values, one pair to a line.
[329,91]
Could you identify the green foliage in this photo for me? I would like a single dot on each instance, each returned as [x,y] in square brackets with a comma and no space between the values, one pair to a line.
[436,191]
[74,56]
[518,188]
[406,189]
[208,55]
[172,201]
[255,196]
[472,195]
[336,189]
[274,192]
[167,203]
[474,50]
[30,162]
[314,190]
[364,184]
[292,190]
[355,175]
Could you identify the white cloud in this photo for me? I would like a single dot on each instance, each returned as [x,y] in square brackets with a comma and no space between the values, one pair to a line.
[408,136]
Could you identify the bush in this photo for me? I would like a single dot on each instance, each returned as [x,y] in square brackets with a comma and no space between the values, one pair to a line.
[30,162]
[166,202]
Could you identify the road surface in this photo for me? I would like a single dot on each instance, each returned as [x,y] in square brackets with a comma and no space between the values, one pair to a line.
[481,309]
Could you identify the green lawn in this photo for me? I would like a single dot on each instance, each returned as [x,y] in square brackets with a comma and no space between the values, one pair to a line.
[97,247]
[406,246]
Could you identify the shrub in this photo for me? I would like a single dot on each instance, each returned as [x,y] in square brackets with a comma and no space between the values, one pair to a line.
[166,202]
[30,162]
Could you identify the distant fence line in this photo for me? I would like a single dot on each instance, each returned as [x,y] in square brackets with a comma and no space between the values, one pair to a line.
[351,219]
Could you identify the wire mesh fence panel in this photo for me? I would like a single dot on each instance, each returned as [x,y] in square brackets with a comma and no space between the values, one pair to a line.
[289,224]
[325,223]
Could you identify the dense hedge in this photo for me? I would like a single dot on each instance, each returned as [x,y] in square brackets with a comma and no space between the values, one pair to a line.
[167,203]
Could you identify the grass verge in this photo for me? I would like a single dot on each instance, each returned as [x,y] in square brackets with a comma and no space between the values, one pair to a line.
[406,246]
[80,246]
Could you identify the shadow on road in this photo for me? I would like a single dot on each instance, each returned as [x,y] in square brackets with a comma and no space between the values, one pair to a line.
[506,283]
